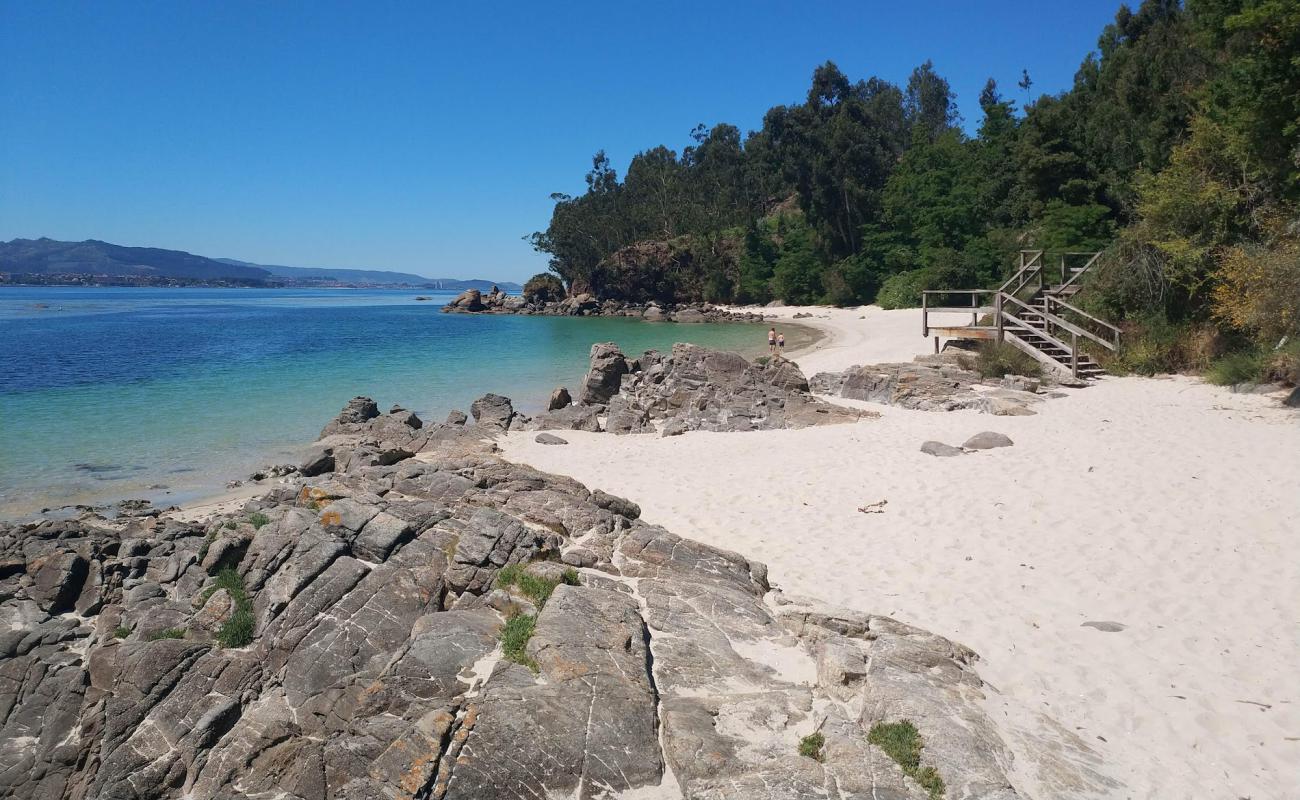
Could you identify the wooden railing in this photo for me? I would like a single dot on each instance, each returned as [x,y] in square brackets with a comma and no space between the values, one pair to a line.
[1109,336]
[1010,311]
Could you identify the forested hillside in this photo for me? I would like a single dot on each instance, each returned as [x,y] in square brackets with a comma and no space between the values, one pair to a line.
[1177,150]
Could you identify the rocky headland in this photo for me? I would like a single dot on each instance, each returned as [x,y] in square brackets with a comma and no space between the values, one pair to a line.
[409,615]
[495,301]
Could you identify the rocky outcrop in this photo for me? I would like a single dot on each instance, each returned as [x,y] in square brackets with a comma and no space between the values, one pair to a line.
[472,301]
[340,637]
[933,383]
[695,388]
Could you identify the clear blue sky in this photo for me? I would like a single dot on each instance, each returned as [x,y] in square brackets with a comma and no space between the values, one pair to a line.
[423,137]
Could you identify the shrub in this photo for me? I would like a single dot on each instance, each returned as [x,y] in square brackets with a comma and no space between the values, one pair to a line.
[514,639]
[1258,291]
[257,519]
[811,746]
[166,633]
[903,290]
[121,632]
[1245,366]
[1153,346]
[1283,364]
[995,359]
[1257,365]
[901,741]
[230,525]
[544,287]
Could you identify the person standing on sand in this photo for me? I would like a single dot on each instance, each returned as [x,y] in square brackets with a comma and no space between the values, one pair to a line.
[771,340]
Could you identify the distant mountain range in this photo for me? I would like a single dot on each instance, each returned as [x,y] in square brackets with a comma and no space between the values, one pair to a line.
[92,261]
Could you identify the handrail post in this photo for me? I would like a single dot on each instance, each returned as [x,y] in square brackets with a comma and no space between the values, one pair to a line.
[925,315]
[1074,353]
[997,314]
[974,315]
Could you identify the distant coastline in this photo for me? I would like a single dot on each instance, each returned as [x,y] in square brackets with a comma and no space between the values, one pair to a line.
[158,281]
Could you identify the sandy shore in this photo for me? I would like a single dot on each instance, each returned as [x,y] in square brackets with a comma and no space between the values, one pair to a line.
[1166,505]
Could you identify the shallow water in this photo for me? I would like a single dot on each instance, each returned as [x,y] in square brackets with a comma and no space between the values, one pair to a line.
[108,393]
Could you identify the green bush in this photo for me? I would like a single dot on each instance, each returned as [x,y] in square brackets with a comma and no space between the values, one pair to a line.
[121,632]
[1245,366]
[257,519]
[811,746]
[514,639]
[544,287]
[166,633]
[901,741]
[1257,365]
[995,359]
[1155,346]
[904,289]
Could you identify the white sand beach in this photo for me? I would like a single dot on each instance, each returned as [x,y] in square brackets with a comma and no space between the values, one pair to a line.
[1167,505]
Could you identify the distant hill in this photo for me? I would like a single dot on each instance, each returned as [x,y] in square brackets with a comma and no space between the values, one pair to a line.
[92,257]
[373,276]
[43,260]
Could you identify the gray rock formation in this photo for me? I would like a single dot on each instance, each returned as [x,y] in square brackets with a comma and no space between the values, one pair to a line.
[608,366]
[559,399]
[493,410]
[987,440]
[932,383]
[695,388]
[339,638]
[940,449]
[549,438]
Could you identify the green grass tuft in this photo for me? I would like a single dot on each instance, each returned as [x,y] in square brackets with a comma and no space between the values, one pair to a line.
[230,525]
[236,631]
[121,632]
[901,741]
[257,519]
[166,633]
[514,639]
[537,589]
[811,746]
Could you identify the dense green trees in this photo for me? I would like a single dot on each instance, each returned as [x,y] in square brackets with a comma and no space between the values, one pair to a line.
[1177,148]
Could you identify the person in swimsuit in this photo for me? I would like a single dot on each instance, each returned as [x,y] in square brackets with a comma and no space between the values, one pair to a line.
[771,340]
[780,343]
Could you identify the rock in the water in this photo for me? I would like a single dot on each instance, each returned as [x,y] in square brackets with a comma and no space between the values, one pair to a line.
[456,417]
[940,449]
[559,399]
[493,410]
[358,411]
[549,438]
[987,440]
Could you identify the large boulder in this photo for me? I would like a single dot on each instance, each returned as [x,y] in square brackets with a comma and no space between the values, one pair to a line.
[469,300]
[493,410]
[559,399]
[608,366]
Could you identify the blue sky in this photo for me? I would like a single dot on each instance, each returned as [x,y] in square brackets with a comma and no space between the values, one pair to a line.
[425,137]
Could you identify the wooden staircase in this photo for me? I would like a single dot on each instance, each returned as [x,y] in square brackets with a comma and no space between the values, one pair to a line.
[1032,314]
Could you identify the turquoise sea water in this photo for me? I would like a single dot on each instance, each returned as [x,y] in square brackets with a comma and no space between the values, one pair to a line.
[107,393]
